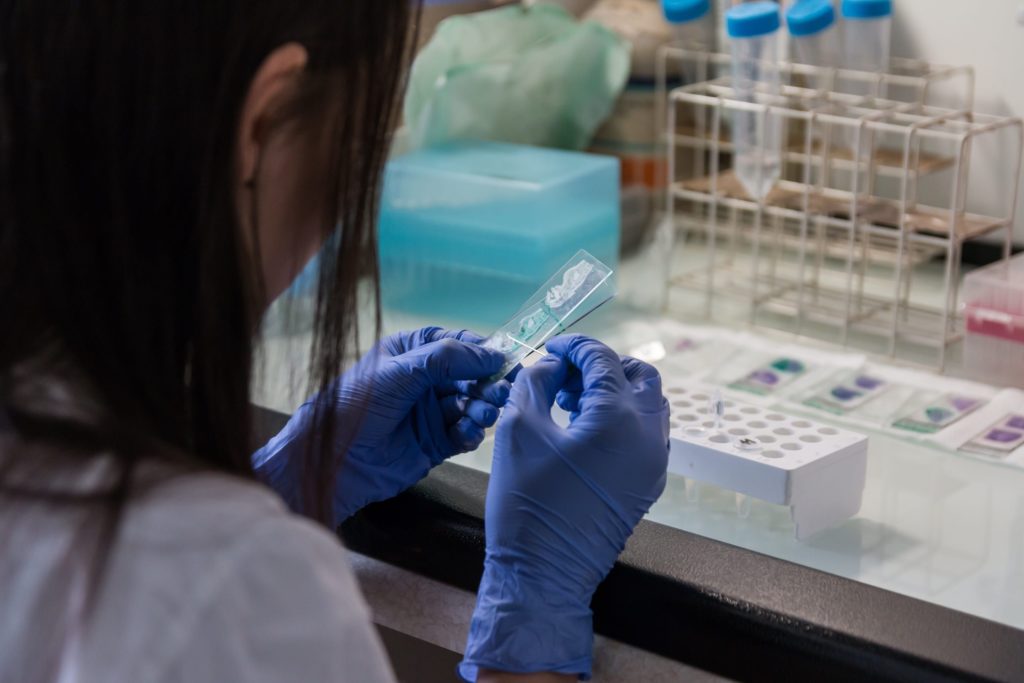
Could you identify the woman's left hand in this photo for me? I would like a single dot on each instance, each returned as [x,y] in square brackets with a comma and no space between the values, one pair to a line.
[421,397]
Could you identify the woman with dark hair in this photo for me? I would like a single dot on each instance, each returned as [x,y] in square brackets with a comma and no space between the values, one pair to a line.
[166,168]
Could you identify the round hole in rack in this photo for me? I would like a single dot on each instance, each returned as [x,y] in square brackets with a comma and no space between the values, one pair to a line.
[720,438]
[674,425]
[757,424]
[695,430]
[774,455]
[783,431]
[675,390]
[802,424]
[682,404]
[687,417]
[810,438]
[828,431]
[732,417]
[767,438]
[702,411]
[709,424]
[739,432]
[729,404]
[749,410]
[748,443]
[700,397]
[775,417]
[790,446]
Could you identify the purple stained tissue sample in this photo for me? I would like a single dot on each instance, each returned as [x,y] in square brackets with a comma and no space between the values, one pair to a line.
[685,344]
[764,377]
[1003,436]
[845,393]
[1017,422]
[962,404]
[869,383]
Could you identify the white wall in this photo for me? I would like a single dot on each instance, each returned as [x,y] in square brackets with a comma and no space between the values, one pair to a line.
[982,33]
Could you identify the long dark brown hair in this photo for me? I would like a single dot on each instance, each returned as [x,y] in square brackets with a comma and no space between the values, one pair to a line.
[124,272]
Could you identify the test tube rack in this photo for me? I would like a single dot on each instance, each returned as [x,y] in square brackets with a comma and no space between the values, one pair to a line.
[817,470]
[832,251]
[906,80]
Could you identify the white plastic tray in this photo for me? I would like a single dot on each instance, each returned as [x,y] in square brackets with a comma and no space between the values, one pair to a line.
[817,470]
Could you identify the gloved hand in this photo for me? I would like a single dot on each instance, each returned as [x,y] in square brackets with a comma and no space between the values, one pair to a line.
[419,400]
[561,503]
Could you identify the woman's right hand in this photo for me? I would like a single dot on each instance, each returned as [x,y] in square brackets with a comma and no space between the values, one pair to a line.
[561,503]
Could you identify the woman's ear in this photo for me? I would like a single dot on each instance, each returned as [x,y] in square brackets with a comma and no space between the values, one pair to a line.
[276,76]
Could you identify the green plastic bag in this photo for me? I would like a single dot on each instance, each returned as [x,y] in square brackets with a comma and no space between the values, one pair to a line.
[532,75]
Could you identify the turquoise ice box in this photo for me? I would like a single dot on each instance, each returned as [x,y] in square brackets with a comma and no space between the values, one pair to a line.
[468,231]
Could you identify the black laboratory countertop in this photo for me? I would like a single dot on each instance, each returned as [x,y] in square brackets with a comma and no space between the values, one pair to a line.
[711,605]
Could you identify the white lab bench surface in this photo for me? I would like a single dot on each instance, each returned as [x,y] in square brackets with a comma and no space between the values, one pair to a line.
[933,525]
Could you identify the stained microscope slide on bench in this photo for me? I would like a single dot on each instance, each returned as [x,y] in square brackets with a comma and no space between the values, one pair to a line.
[583,284]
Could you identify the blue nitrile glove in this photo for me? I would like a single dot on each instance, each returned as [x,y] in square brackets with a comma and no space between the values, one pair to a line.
[561,503]
[422,405]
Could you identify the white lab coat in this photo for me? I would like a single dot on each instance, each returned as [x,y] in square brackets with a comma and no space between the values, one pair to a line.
[211,579]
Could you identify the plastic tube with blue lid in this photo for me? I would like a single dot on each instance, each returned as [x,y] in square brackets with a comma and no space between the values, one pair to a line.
[757,137]
[692,22]
[693,28]
[867,27]
[813,34]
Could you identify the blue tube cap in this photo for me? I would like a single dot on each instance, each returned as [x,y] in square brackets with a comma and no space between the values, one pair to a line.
[682,11]
[866,9]
[808,17]
[752,19]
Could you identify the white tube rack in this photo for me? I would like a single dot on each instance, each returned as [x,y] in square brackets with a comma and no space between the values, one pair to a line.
[835,246]
[818,471]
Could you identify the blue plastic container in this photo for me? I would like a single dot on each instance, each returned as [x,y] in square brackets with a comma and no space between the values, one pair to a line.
[468,231]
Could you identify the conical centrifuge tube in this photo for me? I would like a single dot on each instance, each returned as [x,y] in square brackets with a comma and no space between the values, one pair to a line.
[716,408]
